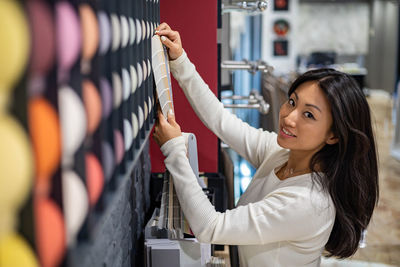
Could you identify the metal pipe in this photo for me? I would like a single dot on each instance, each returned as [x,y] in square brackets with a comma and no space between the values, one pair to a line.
[236,97]
[255,6]
[252,66]
[263,108]
[250,106]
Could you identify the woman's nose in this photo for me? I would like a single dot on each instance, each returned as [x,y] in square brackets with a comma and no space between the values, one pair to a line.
[291,118]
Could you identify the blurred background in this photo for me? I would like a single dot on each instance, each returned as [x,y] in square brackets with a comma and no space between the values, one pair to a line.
[359,37]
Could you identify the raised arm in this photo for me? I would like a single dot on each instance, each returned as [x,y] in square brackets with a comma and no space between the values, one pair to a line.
[282,215]
[249,142]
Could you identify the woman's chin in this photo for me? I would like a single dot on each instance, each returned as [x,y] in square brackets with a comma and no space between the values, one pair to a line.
[282,143]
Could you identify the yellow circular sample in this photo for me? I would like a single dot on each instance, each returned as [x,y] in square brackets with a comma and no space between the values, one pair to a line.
[14,251]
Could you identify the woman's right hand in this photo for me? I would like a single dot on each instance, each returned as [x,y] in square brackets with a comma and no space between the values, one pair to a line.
[170,39]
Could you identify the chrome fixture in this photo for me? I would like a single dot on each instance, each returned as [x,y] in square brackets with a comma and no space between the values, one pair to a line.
[249,6]
[251,66]
[255,101]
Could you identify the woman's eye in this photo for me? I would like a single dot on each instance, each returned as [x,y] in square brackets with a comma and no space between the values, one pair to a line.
[291,102]
[309,115]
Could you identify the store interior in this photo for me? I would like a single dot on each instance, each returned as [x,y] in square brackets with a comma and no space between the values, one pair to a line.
[83,183]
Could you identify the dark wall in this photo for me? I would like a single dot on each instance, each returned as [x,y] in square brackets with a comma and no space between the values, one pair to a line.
[118,238]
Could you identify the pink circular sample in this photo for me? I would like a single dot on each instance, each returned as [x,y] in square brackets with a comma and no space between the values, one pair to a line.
[68,35]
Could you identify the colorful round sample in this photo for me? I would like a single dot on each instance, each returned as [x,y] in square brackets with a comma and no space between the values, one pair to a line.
[15,251]
[144,70]
[44,128]
[139,74]
[117,86]
[118,146]
[73,120]
[135,126]
[141,117]
[75,203]
[134,78]
[108,160]
[126,84]
[68,34]
[14,45]
[127,134]
[149,30]
[106,97]
[90,31]
[42,37]
[50,231]
[148,68]
[124,31]
[105,32]
[116,31]
[138,31]
[92,101]
[150,104]
[94,178]
[143,30]
[132,31]
[16,164]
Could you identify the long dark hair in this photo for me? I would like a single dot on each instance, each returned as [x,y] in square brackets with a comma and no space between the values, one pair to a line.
[349,167]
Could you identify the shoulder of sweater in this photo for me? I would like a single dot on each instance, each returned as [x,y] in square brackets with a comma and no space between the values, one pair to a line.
[306,193]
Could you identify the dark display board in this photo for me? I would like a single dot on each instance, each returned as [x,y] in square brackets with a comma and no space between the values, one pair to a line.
[76,103]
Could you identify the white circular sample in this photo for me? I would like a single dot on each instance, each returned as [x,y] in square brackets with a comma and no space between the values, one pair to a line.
[144,70]
[150,104]
[128,134]
[148,68]
[149,30]
[135,126]
[139,75]
[124,31]
[73,120]
[141,117]
[138,31]
[132,29]
[126,83]
[134,78]
[75,204]
[143,30]
[116,32]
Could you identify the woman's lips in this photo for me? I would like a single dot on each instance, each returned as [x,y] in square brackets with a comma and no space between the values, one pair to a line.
[284,132]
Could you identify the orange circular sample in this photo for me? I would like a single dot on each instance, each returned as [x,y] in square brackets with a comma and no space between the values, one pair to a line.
[90,31]
[92,100]
[45,132]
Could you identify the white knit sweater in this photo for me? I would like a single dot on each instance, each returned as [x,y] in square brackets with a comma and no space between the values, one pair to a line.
[276,223]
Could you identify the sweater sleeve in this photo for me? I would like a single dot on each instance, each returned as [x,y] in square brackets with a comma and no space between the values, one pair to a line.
[250,143]
[282,215]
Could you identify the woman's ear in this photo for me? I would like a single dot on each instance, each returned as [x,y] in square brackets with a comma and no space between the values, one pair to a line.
[332,139]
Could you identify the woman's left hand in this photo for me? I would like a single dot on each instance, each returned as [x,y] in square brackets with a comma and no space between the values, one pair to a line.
[165,130]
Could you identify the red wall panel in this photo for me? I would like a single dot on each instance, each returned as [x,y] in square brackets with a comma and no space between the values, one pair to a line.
[196,22]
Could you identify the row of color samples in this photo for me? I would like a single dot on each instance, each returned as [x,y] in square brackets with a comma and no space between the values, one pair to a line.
[76,98]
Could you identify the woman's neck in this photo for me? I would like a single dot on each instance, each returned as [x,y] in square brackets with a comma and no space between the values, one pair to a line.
[298,161]
[297,164]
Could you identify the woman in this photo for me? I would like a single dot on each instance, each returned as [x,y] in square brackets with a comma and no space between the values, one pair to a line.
[316,183]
